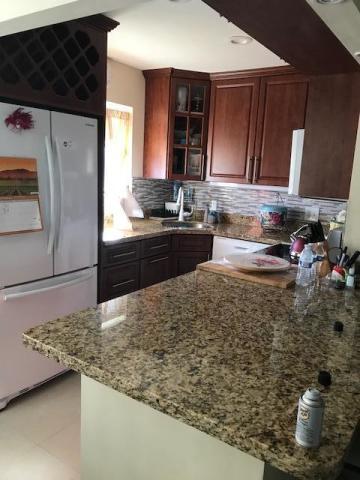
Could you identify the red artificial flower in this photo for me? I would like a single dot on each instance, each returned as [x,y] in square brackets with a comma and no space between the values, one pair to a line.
[20,120]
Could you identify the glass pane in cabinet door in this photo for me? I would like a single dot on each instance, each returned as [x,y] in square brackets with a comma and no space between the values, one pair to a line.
[195,131]
[197,101]
[194,162]
[180,130]
[182,98]
[179,156]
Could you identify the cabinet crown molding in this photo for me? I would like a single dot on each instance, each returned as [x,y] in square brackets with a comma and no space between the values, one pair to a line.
[254,72]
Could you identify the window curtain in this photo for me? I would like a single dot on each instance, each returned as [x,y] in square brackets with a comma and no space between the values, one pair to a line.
[118,157]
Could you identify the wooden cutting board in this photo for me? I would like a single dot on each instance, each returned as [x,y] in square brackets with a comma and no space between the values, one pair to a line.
[276,279]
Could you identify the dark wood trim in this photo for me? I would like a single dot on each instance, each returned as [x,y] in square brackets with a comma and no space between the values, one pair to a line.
[100,22]
[254,72]
[158,72]
[175,73]
[292,30]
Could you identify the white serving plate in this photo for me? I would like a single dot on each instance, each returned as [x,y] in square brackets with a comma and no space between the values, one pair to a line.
[257,262]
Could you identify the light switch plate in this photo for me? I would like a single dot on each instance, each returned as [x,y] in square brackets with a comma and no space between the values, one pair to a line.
[312,214]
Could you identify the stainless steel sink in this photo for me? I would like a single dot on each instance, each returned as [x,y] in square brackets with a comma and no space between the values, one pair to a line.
[186,225]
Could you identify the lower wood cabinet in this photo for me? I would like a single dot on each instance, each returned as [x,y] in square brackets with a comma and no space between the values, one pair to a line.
[153,260]
[188,251]
[119,280]
[154,270]
[192,243]
[185,262]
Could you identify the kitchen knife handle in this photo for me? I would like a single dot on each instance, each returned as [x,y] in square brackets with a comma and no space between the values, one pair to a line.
[353,259]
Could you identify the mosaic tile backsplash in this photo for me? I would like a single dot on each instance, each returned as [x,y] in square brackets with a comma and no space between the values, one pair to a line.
[231,199]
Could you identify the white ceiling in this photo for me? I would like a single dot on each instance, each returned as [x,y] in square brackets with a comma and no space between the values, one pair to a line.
[20,15]
[344,21]
[187,35]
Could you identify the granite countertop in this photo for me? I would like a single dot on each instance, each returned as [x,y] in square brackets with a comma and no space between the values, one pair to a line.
[227,357]
[151,228]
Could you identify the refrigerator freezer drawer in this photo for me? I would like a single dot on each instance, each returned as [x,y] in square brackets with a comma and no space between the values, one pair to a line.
[32,304]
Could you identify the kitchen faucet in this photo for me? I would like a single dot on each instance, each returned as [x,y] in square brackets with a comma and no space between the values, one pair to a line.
[180,202]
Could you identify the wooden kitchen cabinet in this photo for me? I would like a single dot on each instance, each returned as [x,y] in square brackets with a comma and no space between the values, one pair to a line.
[330,136]
[188,251]
[61,65]
[155,270]
[129,266]
[186,262]
[119,280]
[252,116]
[232,127]
[282,109]
[176,124]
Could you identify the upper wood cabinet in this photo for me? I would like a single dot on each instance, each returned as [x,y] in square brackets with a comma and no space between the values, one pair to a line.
[330,136]
[61,65]
[252,116]
[282,109]
[176,123]
[232,128]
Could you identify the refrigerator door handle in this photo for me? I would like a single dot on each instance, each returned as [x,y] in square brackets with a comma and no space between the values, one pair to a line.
[61,195]
[79,279]
[50,162]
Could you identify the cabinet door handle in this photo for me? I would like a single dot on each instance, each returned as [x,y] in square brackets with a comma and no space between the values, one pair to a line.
[122,283]
[123,254]
[158,260]
[250,171]
[257,168]
[159,246]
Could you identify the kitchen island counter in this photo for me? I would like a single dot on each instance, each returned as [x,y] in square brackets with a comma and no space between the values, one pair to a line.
[227,357]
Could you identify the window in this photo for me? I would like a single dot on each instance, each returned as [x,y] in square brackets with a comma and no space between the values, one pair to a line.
[118,157]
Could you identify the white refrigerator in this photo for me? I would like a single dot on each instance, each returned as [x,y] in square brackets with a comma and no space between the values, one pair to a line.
[49,273]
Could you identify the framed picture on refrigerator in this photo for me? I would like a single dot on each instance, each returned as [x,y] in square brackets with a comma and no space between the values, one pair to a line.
[19,196]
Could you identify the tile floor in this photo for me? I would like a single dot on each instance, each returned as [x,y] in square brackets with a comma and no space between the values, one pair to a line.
[40,433]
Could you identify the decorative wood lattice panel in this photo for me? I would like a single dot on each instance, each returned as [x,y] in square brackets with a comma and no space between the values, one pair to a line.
[59,65]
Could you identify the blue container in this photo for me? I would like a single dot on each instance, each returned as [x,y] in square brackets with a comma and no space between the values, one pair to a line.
[273,217]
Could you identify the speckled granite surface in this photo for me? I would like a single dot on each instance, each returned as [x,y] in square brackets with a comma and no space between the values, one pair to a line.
[228,357]
[152,228]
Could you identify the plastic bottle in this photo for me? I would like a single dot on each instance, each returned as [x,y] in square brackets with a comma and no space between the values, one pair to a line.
[306,273]
[350,280]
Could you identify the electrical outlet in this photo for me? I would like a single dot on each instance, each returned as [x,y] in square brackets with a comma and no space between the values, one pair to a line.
[312,214]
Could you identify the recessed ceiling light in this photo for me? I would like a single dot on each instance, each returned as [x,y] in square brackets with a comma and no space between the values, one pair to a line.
[240,39]
[330,2]
[357,55]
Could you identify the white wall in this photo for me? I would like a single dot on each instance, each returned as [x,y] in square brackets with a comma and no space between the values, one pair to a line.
[352,232]
[126,85]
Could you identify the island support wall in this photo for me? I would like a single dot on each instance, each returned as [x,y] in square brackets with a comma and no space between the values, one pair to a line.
[123,439]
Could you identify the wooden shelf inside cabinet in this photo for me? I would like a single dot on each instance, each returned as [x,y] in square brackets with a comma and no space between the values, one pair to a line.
[176,124]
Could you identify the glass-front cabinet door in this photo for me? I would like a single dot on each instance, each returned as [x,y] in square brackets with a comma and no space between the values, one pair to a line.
[188,128]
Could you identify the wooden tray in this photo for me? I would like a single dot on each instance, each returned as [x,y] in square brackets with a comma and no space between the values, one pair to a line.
[275,279]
